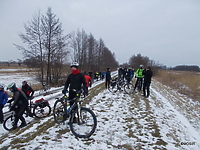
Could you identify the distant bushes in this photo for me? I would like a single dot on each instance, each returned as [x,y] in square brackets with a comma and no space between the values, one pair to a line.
[186,68]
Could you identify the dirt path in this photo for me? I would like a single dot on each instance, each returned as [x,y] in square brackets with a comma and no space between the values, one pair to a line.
[128,122]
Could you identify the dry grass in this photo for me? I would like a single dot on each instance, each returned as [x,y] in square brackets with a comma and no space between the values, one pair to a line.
[187,83]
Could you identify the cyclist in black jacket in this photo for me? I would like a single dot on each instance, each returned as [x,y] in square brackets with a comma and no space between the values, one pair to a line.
[147,81]
[19,105]
[74,81]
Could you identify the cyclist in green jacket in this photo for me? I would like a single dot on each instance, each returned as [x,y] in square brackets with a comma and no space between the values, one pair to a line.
[139,77]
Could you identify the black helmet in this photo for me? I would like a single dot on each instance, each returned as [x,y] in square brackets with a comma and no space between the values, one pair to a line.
[148,67]
[24,82]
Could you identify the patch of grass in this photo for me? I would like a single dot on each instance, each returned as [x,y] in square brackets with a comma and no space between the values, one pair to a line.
[187,83]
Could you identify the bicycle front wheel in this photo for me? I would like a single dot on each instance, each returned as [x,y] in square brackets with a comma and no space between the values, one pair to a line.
[9,122]
[87,126]
[128,88]
[41,112]
[59,111]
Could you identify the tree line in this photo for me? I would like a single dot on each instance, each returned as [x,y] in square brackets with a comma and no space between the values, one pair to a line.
[47,48]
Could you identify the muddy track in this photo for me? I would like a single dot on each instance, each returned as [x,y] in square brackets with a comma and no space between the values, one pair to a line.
[129,122]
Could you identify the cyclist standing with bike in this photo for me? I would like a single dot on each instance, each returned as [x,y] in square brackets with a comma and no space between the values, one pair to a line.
[19,105]
[139,77]
[27,89]
[74,81]
[3,100]
[147,81]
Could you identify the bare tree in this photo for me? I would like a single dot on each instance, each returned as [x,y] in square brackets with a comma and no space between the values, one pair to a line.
[45,41]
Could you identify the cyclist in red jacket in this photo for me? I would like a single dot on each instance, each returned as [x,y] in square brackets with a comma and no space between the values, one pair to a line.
[88,81]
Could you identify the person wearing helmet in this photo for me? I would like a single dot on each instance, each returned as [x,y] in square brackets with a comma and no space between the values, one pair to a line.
[139,76]
[3,100]
[27,89]
[147,81]
[20,103]
[75,81]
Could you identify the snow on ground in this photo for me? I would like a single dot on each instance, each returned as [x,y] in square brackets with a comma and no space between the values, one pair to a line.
[124,122]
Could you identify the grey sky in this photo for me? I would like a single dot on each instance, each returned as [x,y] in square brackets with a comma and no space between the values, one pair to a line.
[167,31]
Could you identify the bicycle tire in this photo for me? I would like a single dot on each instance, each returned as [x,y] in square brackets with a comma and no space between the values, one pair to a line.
[87,128]
[113,88]
[9,122]
[41,91]
[128,88]
[59,111]
[41,112]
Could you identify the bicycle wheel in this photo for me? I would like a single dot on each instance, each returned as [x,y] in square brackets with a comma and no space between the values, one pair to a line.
[139,85]
[9,122]
[41,112]
[41,91]
[128,88]
[113,87]
[59,111]
[87,127]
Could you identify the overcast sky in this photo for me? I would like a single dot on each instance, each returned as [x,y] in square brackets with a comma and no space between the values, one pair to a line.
[167,31]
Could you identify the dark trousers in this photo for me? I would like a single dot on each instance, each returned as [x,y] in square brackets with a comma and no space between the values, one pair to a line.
[107,84]
[19,114]
[1,113]
[146,87]
[137,82]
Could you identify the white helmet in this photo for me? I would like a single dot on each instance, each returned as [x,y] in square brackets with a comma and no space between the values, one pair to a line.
[2,86]
[141,66]
[74,64]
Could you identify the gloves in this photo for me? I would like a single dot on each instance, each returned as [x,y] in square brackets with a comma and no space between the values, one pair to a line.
[64,91]
[12,108]
[9,101]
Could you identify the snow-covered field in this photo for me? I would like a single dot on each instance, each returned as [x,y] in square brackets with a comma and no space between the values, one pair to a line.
[166,120]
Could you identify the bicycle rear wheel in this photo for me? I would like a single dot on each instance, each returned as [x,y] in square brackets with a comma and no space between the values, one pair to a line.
[88,125]
[128,88]
[59,111]
[41,112]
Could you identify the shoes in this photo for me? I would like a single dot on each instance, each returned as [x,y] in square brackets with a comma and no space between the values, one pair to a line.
[23,125]
[14,127]
[30,114]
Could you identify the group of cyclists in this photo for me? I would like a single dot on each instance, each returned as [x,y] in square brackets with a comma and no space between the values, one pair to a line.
[19,101]
[142,75]
[76,81]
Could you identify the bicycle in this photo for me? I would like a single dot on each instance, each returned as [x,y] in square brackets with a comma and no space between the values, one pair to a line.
[139,84]
[128,88]
[116,85]
[82,120]
[9,121]
[39,109]
[44,89]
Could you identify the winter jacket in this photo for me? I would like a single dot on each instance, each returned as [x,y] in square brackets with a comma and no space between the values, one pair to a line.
[147,76]
[75,81]
[28,90]
[108,75]
[3,97]
[88,80]
[19,98]
[139,72]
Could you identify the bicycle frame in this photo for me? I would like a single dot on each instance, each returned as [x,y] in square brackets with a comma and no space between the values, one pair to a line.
[72,110]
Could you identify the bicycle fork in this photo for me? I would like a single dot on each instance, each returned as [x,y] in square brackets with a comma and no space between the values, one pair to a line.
[80,117]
